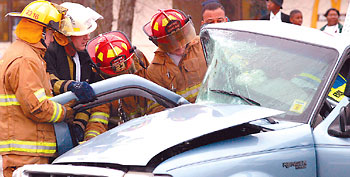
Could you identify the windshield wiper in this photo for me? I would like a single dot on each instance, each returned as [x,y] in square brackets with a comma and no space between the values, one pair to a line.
[248,100]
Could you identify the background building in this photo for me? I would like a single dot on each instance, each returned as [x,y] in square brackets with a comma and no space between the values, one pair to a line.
[130,15]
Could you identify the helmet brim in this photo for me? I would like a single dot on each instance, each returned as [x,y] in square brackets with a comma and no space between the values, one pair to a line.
[13,14]
[147,29]
[18,15]
[82,33]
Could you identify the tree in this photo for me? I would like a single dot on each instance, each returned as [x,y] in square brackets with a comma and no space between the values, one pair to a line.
[126,16]
[105,8]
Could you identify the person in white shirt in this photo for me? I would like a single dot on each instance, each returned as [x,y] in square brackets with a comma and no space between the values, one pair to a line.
[333,26]
[275,15]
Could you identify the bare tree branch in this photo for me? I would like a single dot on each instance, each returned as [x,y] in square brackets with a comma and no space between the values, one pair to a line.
[105,8]
[126,16]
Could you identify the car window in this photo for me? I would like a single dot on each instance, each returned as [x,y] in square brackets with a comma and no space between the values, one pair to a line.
[272,72]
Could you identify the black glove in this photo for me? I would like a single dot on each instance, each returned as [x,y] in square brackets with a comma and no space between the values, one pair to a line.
[83,91]
[78,132]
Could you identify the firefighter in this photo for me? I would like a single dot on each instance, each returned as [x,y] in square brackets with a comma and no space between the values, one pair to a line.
[69,64]
[179,64]
[113,55]
[27,135]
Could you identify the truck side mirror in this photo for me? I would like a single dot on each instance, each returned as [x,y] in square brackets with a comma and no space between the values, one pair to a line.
[347,89]
[346,68]
[341,125]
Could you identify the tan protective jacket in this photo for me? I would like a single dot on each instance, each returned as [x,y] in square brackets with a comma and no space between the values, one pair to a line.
[25,111]
[184,79]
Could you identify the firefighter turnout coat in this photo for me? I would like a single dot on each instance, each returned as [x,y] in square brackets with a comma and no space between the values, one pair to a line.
[26,112]
[184,79]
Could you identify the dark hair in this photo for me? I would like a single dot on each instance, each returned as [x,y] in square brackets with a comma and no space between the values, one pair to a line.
[209,1]
[326,14]
[293,12]
[212,6]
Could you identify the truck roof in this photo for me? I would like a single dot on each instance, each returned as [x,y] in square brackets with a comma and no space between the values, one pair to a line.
[289,31]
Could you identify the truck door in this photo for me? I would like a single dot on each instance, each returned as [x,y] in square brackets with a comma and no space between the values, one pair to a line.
[332,152]
[332,139]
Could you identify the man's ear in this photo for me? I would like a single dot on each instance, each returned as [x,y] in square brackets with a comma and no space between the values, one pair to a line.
[202,23]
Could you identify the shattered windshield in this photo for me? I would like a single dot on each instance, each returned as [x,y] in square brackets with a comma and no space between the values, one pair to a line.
[261,70]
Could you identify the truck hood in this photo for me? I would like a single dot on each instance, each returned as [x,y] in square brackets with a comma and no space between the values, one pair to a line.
[137,141]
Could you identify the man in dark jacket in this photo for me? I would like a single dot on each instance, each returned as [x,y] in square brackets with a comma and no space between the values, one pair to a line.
[274,7]
[69,63]
[63,72]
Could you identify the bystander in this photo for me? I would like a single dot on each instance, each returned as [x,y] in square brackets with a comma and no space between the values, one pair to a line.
[296,17]
[275,15]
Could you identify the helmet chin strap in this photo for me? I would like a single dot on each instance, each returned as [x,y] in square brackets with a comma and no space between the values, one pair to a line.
[43,38]
[72,44]
[96,68]
[133,50]
[70,48]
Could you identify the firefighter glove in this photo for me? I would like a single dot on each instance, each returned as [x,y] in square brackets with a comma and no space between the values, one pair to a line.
[78,132]
[83,91]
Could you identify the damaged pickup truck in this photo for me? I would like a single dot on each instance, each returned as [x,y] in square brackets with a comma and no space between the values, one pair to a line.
[268,106]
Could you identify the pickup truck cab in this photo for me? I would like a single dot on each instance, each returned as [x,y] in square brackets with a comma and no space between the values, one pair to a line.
[265,108]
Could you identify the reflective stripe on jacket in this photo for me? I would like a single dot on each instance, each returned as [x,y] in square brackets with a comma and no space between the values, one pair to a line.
[25,108]
[98,122]
[188,93]
[184,79]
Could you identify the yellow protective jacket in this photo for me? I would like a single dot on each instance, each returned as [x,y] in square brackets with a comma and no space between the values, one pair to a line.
[133,106]
[25,111]
[184,79]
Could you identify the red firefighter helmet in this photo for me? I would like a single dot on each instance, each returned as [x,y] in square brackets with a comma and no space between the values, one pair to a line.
[170,29]
[166,21]
[112,53]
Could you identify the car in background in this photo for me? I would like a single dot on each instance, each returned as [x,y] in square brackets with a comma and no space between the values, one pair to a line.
[265,108]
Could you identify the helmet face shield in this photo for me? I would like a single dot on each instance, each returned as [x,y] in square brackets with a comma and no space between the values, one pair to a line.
[174,40]
[79,20]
